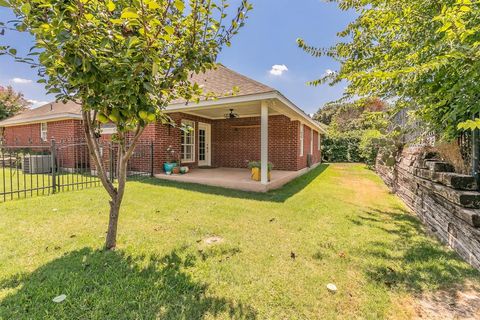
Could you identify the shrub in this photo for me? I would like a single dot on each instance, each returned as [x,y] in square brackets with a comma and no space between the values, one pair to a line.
[341,149]
[370,143]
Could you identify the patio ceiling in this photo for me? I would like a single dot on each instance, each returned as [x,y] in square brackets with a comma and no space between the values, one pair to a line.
[244,110]
[246,106]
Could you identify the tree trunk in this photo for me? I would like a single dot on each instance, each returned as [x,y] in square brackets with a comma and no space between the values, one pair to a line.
[111,240]
[124,154]
[115,203]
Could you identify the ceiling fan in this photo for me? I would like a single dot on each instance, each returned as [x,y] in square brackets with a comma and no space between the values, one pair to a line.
[231,115]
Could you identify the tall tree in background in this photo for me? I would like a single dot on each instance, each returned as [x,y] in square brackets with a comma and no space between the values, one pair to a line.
[353,129]
[124,61]
[11,102]
[424,55]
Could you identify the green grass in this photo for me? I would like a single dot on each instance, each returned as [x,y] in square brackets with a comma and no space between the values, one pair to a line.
[340,221]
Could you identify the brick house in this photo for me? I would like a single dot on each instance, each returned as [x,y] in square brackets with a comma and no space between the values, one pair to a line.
[254,123]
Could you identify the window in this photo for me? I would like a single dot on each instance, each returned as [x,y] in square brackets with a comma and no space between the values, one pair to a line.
[188,141]
[311,141]
[301,139]
[43,131]
[108,128]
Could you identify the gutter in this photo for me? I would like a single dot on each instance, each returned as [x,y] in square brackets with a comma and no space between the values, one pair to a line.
[43,118]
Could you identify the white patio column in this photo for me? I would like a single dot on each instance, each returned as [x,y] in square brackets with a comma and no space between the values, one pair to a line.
[264,142]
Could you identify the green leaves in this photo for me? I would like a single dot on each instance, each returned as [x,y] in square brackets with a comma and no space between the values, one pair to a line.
[129,13]
[169,29]
[179,5]
[111,6]
[469,124]
[26,8]
[125,59]
[421,54]
[4,3]
[153,5]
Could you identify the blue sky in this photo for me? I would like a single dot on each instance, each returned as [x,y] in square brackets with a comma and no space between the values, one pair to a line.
[267,40]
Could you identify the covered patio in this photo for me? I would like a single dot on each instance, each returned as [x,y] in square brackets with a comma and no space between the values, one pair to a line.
[235,178]
[215,111]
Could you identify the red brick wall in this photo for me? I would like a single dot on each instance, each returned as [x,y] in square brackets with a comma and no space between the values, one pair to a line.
[166,135]
[234,144]
[29,134]
[65,132]
[316,152]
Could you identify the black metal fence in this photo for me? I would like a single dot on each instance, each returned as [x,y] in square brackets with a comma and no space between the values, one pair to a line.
[43,168]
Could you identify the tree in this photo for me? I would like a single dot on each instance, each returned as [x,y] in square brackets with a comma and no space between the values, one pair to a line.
[353,128]
[11,102]
[423,55]
[124,61]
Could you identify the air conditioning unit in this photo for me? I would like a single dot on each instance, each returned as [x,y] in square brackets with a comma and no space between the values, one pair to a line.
[37,163]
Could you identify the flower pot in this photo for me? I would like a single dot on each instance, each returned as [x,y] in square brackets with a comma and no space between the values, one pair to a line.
[176,170]
[257,174]
[168,166]
[184,170]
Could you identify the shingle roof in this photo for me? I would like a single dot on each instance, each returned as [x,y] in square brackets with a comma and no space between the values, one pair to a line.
[49,110]
[221,81]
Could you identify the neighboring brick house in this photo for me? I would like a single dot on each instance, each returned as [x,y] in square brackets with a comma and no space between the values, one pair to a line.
[263,125]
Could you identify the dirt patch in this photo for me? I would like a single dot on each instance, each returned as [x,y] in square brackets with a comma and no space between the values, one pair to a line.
[213,240]
[456,303]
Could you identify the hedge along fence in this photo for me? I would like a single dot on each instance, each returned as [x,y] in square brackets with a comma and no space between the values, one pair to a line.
[341,149]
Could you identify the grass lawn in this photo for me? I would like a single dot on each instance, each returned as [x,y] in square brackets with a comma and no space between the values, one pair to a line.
[340,222]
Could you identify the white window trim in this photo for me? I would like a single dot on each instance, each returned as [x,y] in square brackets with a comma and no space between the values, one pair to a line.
[192,124]
[43,131]
[311,141]
[302,134]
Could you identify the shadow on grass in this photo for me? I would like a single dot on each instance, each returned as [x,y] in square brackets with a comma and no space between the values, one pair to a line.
[412,260]
[278,195]
[112,285]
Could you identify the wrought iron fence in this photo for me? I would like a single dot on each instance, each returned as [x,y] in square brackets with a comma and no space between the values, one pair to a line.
[42,169]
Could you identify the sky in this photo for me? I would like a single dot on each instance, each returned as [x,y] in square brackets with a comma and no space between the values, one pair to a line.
[265,50]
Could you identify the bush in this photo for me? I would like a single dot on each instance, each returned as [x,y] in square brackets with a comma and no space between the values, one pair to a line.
[370,143]
[341,149]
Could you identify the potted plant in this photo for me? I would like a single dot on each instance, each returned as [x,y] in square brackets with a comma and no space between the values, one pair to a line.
[176,169]
[169,166]
[256,167]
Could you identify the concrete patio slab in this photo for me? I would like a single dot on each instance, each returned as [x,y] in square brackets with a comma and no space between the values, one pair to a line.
[234,178]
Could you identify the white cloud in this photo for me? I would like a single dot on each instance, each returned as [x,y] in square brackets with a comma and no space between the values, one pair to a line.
[21,80]
[278,69]
[36,103]
[328,72]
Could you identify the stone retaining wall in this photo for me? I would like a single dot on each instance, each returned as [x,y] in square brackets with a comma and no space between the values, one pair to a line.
[447,203]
